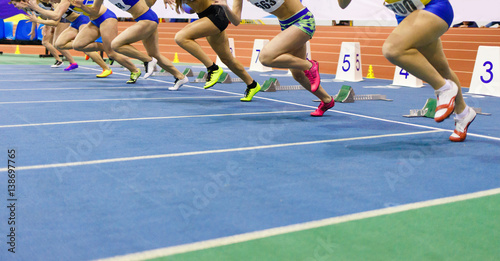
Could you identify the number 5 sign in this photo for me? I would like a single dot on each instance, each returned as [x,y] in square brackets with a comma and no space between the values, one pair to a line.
[486,75]
[349,66]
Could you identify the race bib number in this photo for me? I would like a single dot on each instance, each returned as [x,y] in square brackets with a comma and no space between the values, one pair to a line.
[405,7]
[120,4]
[267,5]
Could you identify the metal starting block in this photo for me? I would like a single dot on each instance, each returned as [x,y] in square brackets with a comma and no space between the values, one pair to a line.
[429,110]
[273,85]
[188,72]
[346,95]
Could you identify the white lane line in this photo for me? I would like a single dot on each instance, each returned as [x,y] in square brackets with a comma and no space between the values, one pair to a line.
[194,153]
[218,242]
[148,118]
[120,99]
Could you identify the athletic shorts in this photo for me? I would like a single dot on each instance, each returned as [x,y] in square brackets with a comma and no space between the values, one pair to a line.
[108,14]
[217,15]
[441,8]
[148,15]
[304,20]
[79,21]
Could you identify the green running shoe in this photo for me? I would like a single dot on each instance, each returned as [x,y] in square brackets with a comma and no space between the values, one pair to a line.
[213,77]
[249,93]
[134,76]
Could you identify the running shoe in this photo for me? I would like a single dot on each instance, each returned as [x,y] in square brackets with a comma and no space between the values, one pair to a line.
[250,92]
[445,102]
[313,75]
[213,77]
[105,73]
[57,64]
[71,66]
[149,67]
[461,126]
[322,108]
[134,76]
[179,83]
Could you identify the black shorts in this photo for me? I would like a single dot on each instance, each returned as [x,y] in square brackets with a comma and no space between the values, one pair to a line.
[217,15]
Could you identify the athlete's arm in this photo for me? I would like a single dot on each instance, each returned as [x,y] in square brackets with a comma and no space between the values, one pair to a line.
[33,29]
[233,15]
[344,3]
[53,15]
[36,20]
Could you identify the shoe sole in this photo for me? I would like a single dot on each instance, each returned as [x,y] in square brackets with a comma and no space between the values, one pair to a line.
[459,139]
[449,111]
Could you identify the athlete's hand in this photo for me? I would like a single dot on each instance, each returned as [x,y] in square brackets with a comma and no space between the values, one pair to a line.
[32,17]
[170,3]
[220,2]
[32,4]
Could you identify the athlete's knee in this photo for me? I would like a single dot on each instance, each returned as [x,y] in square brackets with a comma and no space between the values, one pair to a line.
[181,38]
[266,58]
[391,51]
[78,46]
[115,45]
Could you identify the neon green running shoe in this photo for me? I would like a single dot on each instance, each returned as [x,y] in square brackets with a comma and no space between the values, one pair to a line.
[213,77]
[249,93]
[134,76]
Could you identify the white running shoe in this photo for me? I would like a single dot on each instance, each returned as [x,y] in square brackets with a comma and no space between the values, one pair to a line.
[461,126]
[179,83]
[57,64]
[150,67]
[445,102]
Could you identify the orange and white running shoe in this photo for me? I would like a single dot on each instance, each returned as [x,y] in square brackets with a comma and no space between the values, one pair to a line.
[445,101]
[461,126]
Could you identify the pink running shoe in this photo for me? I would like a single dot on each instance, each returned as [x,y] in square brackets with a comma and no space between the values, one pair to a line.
[322,108]
[71,66]
[313,75]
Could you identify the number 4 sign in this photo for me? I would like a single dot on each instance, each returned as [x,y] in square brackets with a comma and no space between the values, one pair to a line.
[349,66]
[404,78]
[486,75]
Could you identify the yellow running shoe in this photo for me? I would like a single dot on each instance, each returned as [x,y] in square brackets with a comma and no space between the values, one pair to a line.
[249,93]
[134,76]
[213,77]
[105,73]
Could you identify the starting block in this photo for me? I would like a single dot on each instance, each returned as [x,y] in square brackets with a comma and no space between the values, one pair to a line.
[202,77]
[226,78]
[273,85]
[429,110]
[188,72]
[346,95]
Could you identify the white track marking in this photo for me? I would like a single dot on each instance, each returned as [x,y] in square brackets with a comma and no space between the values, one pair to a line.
[147,118]
[218,242]
[194,153]
[120,99]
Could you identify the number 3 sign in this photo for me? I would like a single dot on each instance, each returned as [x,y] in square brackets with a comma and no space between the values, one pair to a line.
[486,75]
[349,66]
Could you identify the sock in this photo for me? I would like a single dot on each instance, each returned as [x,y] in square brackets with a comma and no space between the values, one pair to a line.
[445,87]
[252,85]
[213,67]
[463,114]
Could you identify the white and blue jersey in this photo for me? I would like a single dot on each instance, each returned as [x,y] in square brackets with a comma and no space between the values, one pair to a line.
[124,5]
